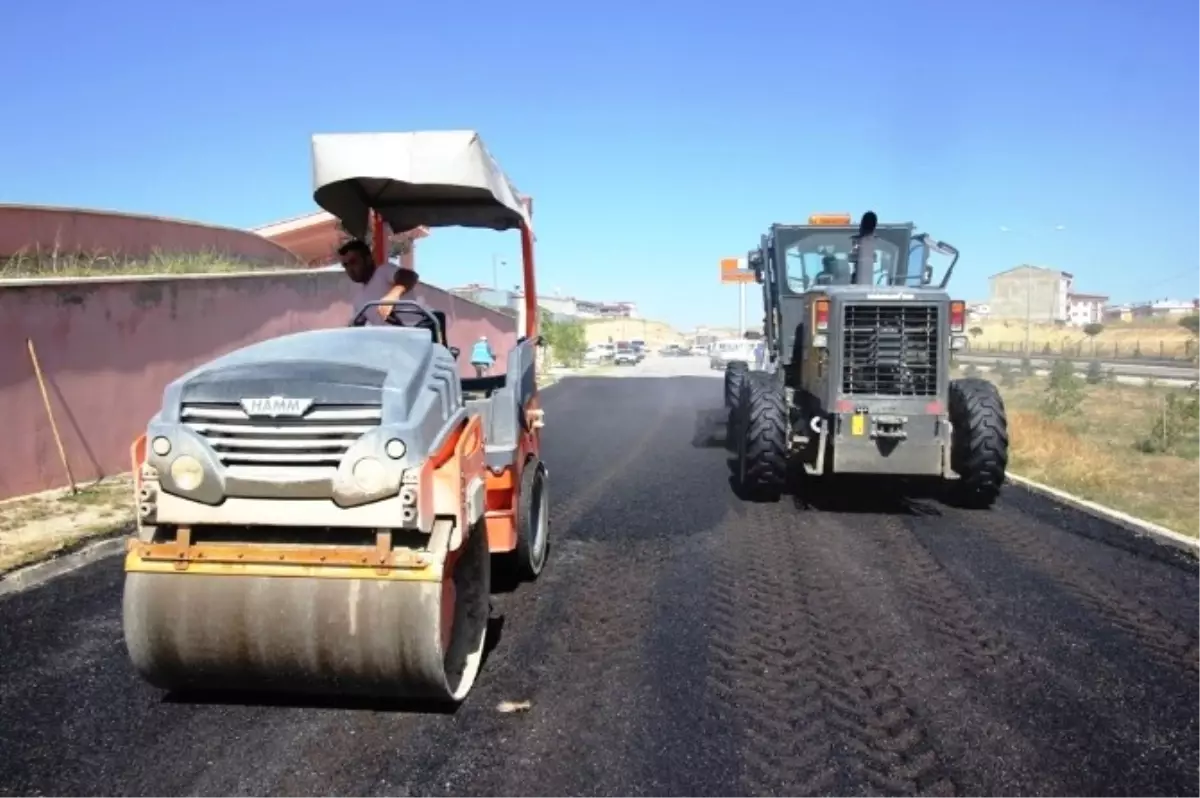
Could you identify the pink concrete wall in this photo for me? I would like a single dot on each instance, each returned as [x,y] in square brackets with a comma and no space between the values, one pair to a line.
[109,346]
[31,228]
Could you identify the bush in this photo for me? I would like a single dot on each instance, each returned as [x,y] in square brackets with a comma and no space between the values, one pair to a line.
[1093,329]
[1026,366]
[970,370]
[1190,323]
[1064,391]
[1176,426]
[1095,373]
[1005,375]
[975,332]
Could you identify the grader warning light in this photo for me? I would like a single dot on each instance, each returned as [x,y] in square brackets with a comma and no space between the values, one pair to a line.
[958,316]
[821,314]
[829,218]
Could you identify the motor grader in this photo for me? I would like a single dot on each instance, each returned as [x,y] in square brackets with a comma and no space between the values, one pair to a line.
[857,379]
[320,512]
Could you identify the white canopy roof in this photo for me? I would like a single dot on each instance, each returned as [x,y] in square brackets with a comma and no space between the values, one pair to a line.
[431,179]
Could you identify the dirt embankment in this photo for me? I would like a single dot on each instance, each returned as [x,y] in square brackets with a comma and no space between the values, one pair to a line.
[654,333]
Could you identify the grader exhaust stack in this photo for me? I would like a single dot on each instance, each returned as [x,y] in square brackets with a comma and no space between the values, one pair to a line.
[320,512]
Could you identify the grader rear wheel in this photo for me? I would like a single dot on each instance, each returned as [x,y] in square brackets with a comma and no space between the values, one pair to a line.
[384,637]
[735,374]
[979,444]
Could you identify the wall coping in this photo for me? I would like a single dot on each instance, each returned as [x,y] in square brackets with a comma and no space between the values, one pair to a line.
[118,279]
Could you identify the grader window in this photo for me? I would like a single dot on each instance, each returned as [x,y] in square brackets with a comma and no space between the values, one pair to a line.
[823,258]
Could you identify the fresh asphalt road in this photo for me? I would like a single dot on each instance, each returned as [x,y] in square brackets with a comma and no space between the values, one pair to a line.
[682,641]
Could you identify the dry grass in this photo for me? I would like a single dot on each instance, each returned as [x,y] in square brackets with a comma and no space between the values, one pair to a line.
[37,527]
[1151,337]
[53,264]
[1094,453]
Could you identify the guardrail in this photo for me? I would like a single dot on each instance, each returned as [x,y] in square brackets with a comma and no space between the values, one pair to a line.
[1141,351]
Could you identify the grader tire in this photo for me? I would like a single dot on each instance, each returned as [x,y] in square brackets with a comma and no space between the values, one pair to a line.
[735,375]
[763,439]
[979,446]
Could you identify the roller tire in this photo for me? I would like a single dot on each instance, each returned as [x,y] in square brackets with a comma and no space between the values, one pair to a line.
[979,444]
[533,522]
[735,375]
[762,438]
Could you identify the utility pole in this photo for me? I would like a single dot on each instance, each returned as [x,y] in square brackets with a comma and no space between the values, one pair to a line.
[1058,228]
[741,310]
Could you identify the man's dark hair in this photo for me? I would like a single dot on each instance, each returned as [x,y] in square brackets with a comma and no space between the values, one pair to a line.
[359,246]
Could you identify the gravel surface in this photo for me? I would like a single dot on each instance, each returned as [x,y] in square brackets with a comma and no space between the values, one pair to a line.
[682,641]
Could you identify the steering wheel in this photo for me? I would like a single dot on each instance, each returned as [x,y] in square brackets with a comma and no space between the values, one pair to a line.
[427,321]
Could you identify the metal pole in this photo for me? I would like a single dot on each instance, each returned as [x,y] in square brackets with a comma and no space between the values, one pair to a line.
[741,310]
[1028,304]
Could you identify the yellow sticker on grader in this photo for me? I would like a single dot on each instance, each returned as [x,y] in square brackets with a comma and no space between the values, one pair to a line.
[857,422]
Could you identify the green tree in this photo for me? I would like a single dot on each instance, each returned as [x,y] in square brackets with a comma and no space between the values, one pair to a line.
[1093,329]
[1190,323]
[567,339]
[1176,426]
[1095,373]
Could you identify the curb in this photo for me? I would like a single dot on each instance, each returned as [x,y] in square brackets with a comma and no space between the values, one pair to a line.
[1136,525]
[41,572]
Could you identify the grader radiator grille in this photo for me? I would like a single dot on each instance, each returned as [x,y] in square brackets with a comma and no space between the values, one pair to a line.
[319,439]
[890,350]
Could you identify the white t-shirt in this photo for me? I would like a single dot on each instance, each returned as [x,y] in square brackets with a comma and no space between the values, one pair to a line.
[374,290]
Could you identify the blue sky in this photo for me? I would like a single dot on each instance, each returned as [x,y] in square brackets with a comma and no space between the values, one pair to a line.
[656,138]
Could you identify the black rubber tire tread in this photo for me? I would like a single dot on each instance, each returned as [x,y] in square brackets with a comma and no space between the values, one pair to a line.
[765,430]
[735,374]
[979,447]
[530,562]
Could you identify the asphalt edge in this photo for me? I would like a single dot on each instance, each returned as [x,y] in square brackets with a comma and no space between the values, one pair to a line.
[1138,526]
[39,573]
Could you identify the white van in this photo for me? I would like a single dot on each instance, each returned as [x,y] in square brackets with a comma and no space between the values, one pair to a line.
[723,352]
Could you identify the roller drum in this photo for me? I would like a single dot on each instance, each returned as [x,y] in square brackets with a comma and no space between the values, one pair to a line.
[377,637]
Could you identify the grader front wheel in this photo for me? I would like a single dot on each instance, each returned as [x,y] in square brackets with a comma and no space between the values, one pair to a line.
[762,438]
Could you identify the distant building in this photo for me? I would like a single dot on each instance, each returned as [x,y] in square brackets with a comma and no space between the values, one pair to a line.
[315,237]
[1118,313]
[1030,292]
[1083,309]
[1043,295]
[1162,308]
[978,311]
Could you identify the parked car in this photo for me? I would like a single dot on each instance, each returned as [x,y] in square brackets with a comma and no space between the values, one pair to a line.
[731,349]
[626,355]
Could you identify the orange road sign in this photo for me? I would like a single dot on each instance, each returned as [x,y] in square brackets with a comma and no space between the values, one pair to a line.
[733,270]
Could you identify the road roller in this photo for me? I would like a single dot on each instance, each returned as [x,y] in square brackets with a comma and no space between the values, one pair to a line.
[323,512]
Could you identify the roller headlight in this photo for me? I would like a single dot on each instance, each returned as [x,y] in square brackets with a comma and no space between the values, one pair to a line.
[187,472]
[370,475]
[161,446]
[395,448]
